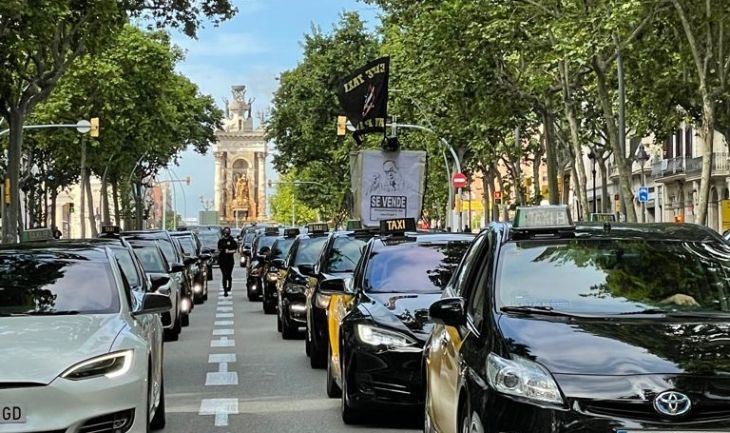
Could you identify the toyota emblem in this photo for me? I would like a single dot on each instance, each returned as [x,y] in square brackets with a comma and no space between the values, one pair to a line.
[672,403]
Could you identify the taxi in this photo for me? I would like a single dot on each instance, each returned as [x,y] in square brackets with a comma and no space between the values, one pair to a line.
[261,249]
[292,286]
[338,259]
[550,326]
[273,267]
[379,341]
[81,338]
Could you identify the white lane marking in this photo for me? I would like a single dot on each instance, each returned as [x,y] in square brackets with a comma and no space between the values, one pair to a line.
[223,323]
[222,342]
[225,303]
[223,315]
[220,407]
[219,358]
[225,309]
[221,378]
[223,331]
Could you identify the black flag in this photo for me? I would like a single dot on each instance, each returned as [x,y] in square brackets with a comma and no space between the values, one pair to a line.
[364,96]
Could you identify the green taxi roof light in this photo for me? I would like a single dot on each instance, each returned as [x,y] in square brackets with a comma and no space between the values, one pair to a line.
[543,217]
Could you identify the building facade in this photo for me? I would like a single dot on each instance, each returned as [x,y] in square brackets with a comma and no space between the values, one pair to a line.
[240,164]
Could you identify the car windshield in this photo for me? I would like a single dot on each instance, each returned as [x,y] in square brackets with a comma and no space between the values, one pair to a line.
[209,240]
[344,254]
[150,258]
[167,250]
[265,241]
[615,276]
[56,283]
[281,248]
[309,250]
[413,267]
[187,245]
[249,238]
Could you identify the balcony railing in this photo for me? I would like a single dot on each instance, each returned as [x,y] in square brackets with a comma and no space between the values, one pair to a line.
[690,166]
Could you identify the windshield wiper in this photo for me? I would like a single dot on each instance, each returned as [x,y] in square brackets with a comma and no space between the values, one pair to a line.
[534,309]
[51,313]
[645,311]
[680,314]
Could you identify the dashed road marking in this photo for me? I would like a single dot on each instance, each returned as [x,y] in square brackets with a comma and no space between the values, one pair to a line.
[221,408]
[227,331]
[223,342]
[223,323]
[225,309]
[223,315]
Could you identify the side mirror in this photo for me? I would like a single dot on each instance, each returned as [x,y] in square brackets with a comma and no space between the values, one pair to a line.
[154,303]
[159,280]
[277,263]
[264,251]
[189,261]
[177,267]
[307,270]
[448,311]
[335,285]
[204,256]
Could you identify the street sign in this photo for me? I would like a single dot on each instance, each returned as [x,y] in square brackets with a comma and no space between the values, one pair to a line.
[459,180]
[83,126]
[643,194]
[498,195]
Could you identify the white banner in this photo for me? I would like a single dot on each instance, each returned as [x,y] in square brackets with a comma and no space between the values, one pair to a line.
[387,185]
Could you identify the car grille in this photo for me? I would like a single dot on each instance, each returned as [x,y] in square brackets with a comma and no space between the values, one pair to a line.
[118,422]
[705,410]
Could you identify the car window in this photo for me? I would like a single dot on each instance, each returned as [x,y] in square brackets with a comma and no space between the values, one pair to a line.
[265,241]
[309,250]
[130,271]
[281,247]
[344,255]
[412,267]
[167,250]
[150,258]
[40,283]
[187,246]
[615,276]
[468,264]
[476,287]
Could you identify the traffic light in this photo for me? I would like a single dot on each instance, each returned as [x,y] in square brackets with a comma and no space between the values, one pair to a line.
[94,132]
[390,144]
[341,126]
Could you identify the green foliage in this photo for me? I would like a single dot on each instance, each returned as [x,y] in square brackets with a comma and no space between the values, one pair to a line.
[287,200]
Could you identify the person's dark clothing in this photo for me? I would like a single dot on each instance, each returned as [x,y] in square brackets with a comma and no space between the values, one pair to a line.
[226,261]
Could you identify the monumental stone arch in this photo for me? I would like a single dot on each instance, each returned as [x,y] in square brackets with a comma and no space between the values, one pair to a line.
[240,169]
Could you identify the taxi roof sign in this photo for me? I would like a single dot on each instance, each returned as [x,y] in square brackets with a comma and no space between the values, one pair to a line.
[318,228]
[33,235]
[354,225]
[271,231]
[542,218]
[397,226]
[111,229]
[290,233]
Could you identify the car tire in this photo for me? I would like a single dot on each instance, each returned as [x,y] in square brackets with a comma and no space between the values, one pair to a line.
[307,344]
[269,307]
[159,420]
[288,332]
[333,390]
[350,415]
[317,355]
[249,294]
[210,273]
[198,299]
[185,320]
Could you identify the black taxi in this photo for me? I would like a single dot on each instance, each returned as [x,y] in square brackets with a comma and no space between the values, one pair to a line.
[273,268]
[599,327]
[261,249]
[380,339]
[292,286]
[337,260]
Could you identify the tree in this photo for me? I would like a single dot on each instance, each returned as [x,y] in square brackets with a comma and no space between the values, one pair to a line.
[302,122]
[286,207]
[41,38]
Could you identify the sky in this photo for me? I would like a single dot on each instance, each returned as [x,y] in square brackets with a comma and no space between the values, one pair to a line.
[253,48]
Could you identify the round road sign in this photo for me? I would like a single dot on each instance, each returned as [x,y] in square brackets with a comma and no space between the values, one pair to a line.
[83,126]
[459,180]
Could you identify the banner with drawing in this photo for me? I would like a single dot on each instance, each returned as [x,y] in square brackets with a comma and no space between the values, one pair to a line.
[387,185]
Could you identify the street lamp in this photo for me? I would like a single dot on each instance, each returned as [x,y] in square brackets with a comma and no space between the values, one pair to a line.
[642,157]
[592,157]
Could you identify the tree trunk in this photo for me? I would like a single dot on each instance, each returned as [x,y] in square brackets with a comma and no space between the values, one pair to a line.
[104,199]
[82,186]
[138,205]
[485,197]
[90,199]
[624,166]
[551,156]
[605,199]
[12,212]
[500,180]
[115,198]
[707,133]
[536,190]
[54,197]
[579,167]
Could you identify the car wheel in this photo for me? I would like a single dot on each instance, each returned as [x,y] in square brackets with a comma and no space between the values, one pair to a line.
[288,332]
[199,298]
[307,344]
[350,415]
[333,390]
[316,355]
[249,293]
[269,307]
[159,420]
[210,273]
[185,320]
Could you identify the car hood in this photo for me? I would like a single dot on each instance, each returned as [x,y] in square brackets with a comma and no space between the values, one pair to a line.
[404,311]
[620,346]
[38,349]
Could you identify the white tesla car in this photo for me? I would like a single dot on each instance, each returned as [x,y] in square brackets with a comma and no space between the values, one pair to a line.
[81,340]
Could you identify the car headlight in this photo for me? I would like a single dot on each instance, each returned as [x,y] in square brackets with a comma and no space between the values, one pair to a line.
[375,336]
[522,378]
[111,365]
[322,301]
[272,276]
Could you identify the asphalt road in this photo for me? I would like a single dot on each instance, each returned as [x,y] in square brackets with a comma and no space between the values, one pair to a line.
[231,372]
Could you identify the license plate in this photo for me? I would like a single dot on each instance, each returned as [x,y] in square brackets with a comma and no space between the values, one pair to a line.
[12,414]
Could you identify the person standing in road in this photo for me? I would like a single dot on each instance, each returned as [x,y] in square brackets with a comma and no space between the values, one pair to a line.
[227,247]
